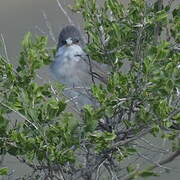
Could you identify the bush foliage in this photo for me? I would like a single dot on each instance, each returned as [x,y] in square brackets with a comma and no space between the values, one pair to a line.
[136,107]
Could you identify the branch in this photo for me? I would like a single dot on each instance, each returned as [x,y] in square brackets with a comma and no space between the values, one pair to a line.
[121,143]
[65,13]
[5,49]
[152,161]
[51,34]
[168,159]
[154,146]
[165,161]
[21,115]
[113,148]
[157,28]
[173,113]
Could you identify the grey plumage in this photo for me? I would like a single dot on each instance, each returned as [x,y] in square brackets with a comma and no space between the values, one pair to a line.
[72,67]
[69,31]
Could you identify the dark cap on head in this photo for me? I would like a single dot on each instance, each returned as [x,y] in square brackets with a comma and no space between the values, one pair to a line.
[72,32]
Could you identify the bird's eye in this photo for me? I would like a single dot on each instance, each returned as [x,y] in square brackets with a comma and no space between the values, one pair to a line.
[63,42]
[76,40]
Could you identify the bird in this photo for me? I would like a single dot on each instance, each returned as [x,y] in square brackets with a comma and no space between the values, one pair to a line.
[73,68]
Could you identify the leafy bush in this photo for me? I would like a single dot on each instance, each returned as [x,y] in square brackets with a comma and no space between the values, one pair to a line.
[106,142]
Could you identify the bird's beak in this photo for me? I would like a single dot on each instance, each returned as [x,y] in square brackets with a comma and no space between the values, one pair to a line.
[69,42]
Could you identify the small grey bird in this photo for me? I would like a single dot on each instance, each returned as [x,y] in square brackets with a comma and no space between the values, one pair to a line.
[72,67]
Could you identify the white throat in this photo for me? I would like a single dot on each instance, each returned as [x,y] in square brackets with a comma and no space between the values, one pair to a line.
[69,52]
[69,65]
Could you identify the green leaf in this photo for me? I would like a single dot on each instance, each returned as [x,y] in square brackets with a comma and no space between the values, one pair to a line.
[145,174]
[26,41]
[155,130]
[109,136]
[90,119]
[3,125]
[4,171]
[167,8]
[131,150]
[161,16]
[176,12]
[130,168]
[96,134]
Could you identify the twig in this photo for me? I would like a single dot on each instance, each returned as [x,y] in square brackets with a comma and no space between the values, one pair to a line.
[149,148]
[162,154]
[98,170]
[4,61]
[74,108]
[165,161]
[51,34]
[169,159]
[54,92]
[61,174]
[90,170]
[19,114]
[80,88]
[150,160]
[173,113]
[121,143]
[90,69]
[157,28]
[171,2]
[156,147]
[40,30]
[5,49]
[110,171]
[65,13]
[58,178]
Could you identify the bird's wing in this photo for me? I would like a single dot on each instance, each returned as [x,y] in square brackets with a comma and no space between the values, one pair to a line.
[99,71]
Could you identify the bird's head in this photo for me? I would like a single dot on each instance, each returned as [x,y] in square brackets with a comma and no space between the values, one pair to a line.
[69,35]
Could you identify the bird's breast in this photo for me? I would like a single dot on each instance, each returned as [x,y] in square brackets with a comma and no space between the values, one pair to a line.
[69,68]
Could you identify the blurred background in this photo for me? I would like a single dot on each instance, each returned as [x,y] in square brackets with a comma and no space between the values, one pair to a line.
[17,17]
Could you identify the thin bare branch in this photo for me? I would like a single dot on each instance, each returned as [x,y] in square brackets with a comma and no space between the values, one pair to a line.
[5,48]
[151,161]
[154,146]
[98,170]
[142,133]
[18,113]
[50,31]
[157,28]
[162,162]
[65,13]
[40,30]
[169,159]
